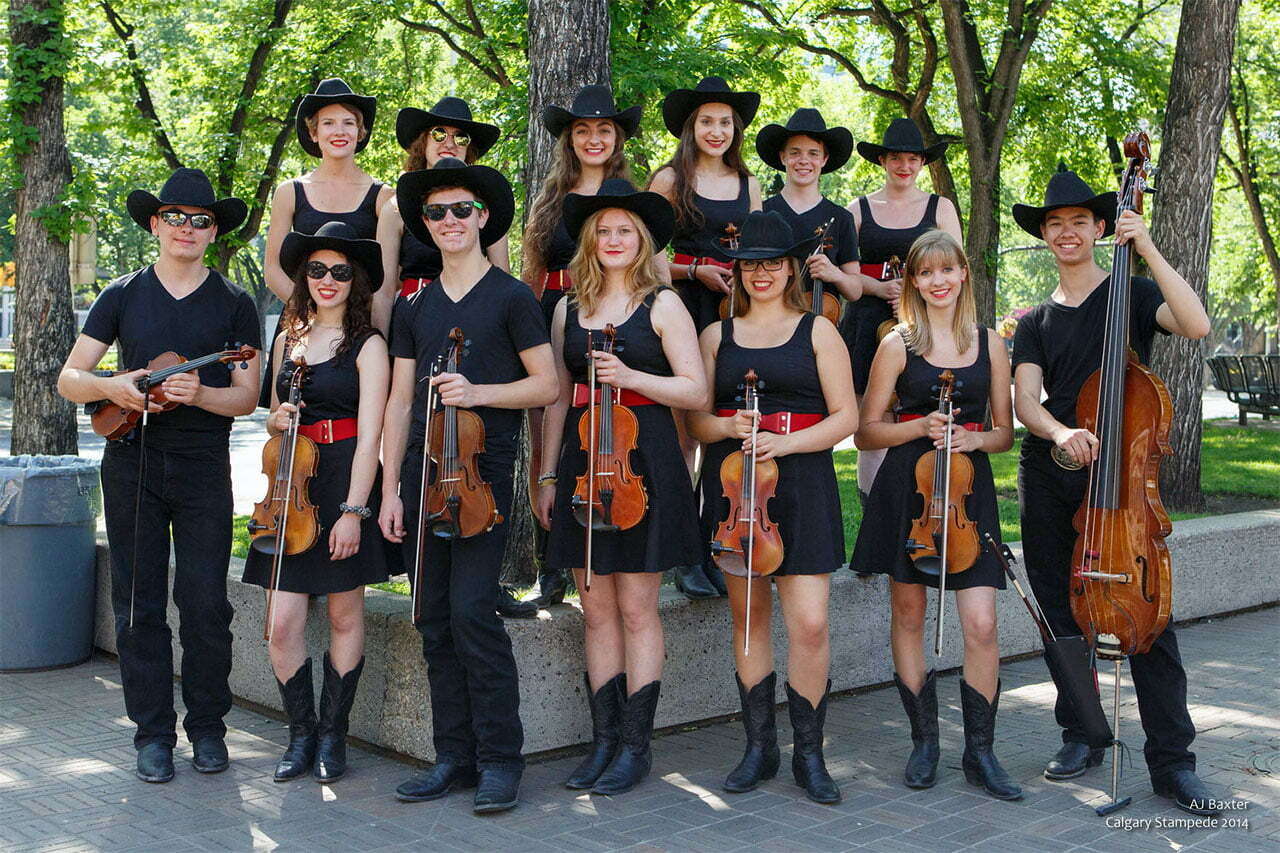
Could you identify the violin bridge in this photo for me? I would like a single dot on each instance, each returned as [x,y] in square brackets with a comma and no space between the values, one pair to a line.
[1116,577]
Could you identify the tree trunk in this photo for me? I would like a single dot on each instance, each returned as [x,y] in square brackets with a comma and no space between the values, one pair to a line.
[43,323]
[982,237]
[1199,88]
[568,49]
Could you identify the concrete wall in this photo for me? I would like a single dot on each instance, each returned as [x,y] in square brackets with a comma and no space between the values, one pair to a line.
[1221,564]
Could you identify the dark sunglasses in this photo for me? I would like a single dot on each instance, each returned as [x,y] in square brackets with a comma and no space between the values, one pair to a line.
[461,210]
[339,272]
[439,134]
[176,219]
[771,264]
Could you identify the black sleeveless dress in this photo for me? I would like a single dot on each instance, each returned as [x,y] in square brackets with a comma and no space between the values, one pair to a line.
[703,241]
[333,392]
[560,251]
[877,245]
[668,536]
[806,504]
[894,501]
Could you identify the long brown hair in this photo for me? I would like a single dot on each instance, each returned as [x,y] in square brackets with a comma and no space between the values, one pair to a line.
[792,296]
[684,165]
[641,274]
[566,169]
[300,310]
[935,245]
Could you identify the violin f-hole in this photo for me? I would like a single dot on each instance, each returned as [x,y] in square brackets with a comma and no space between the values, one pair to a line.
[1144,574]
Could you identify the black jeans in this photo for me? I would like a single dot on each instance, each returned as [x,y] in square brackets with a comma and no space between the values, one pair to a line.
[475,695]
[1048,497]
[189,492]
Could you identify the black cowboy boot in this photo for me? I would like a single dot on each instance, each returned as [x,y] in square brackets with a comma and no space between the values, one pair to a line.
[759,718]
[299,702]
[807,763]
[979,761]
[552,585]
[693,582]
[437,781]
[1071,761]
[509,607]
[634,759]
[922,711]
[716,577]
[336,696]
[606,731]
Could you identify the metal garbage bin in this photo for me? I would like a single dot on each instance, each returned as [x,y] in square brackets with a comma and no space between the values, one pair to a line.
[49,507]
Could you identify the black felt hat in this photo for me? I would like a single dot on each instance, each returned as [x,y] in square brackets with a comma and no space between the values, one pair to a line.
[766,234]
[488,185]
[338,236]
[682,103]
[188,187]
[654,210]
[1066,189]
[804,122]
[901,135]
[591,102]
[334,91]
[412,122]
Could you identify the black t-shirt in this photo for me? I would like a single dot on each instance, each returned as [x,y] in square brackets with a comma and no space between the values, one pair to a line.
[501,319]
[137,311]
[842,235]
[1066,343]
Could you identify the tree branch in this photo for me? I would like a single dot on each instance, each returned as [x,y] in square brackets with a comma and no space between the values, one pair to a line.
[146,106]
[497,75]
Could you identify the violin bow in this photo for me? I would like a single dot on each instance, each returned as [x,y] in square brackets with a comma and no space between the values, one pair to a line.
[751,510]
[419,549]
[592,415]
[137,500]
[288,444]
[946,494]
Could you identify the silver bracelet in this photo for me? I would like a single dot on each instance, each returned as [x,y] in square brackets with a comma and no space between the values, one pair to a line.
[362,511]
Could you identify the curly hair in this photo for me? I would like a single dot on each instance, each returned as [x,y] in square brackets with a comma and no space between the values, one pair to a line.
[357,321]
[684,163]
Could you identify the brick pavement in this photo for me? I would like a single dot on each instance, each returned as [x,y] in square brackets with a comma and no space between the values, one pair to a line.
[66,780]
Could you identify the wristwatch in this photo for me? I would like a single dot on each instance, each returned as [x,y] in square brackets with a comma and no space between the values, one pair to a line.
[362,511]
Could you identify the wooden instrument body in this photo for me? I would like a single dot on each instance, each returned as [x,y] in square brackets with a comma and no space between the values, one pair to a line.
[729,548]
[830,307]
[620,500]
[302,521]
[963,543]
[459,504]
[895,268]
[113,422]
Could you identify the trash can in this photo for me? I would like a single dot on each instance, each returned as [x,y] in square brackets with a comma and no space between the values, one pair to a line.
[49,508]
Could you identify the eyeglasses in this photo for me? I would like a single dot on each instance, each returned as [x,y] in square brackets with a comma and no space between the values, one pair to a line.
[176,219]
[771,264]
[339,272]
[439,134]
[460,209]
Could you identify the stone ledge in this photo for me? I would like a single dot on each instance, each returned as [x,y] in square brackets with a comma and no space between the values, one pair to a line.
[1221,564]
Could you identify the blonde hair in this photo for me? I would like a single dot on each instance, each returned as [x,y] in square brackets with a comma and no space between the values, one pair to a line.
[313,121]
[914,328]
[641,274]
[792,296]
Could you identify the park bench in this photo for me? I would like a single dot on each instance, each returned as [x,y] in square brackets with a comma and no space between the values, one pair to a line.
[1252,382]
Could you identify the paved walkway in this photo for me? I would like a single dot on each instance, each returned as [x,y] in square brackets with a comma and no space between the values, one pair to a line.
[66,780]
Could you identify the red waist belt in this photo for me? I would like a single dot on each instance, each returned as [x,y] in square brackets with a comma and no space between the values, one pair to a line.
[783,423]
[880,272]
[327,432]
[621,397]
[410,286]
[690,259]
[970,426]
[557,280]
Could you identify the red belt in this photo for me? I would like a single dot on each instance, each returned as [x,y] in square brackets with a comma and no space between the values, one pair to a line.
[970,426]
[690,259]
[621,397]
[880,272]
[783,423]
[410,286]
[327,432]
[557,280]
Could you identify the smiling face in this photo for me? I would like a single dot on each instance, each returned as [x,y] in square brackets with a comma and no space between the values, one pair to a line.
[183,243]
[436,151]
[617,237]
[594,140]
[337,129]
[713,129]
[803,158]
[901,168]
[454,236]
[327,292]
[762,284]
[939,277]
[1071,232]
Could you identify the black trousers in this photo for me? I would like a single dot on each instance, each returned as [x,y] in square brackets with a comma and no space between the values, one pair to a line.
[190,494]
[471,671]
[1048,497]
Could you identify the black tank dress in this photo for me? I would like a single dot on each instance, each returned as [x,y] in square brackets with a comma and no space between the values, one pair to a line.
[333,392]
[894,501]
[861,320]
[560,251]
[703,241]
[667,538]
[806,504]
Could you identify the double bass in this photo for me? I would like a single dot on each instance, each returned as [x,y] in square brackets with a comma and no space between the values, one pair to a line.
[1121,583]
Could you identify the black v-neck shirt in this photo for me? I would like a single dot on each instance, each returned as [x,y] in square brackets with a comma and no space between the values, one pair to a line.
[147,320]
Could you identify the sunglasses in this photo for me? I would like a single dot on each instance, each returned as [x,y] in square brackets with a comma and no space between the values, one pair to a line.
[460,209]
[439,134]
[771,264]
[176,219]
[339,272]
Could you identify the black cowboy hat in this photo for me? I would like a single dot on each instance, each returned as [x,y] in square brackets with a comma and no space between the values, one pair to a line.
[682,103]
[591,102]
[334,91]
[188,187]
[766,234]
[1066,189]
[412,122]
[654,210]
[901,135]
[488,185]
[338,236]
[804,122]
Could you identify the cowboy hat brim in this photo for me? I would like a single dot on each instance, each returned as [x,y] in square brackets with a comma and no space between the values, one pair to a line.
[297,248]
[837,140]
[229,212]
[680,104]
[313,103]
[654,210]
[1030,217]
[761,253]
[412,122]
[871,152]
[488,184]
[557,119]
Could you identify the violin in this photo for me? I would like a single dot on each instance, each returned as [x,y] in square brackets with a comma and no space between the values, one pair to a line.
[285,522]
[748,543]
[608,496]
[822,302]
[943,534]
[894,268]
[729,302]
[113,422]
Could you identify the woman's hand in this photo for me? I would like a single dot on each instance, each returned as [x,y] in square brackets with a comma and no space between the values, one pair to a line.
[610,369]
[740,424]
[344,539]
[278,420]
[545,502]
[391,518]
[934,425]
[769,445]
[714,278]
[962,440]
